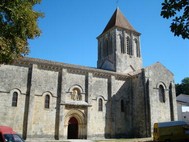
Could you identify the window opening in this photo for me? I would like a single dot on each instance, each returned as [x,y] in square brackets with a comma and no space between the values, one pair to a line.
[137,48]
[15,99]
[129,47]
[100,105]
[122,44]
[47,101]
[161,94]
[122,106]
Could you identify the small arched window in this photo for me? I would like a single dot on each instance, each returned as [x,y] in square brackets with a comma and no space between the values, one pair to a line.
[128,45]
[100,105]
[14,99]
[105,47]
[106,42]
[122,106]
[122,44]
[100,50]
[161,94]
[137,48]
[110,45]
[47,101]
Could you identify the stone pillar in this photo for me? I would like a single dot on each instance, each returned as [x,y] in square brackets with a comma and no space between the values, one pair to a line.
[88,82]
[150,92]
[58,101]
[111,115]
[175,115]
[29,103]
[62,107]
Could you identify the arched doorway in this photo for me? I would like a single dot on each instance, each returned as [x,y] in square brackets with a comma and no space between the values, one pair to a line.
[75,125]
[72,128]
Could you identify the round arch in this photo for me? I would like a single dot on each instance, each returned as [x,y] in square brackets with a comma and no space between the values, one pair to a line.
[78,117]
[76,86]
[162,84]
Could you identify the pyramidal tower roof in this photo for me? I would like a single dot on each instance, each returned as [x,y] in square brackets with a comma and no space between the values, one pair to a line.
[118,20]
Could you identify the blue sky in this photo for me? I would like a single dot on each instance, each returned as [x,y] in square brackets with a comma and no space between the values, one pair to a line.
[70,27]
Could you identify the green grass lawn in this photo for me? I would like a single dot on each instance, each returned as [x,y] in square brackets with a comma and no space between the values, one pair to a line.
[127,140]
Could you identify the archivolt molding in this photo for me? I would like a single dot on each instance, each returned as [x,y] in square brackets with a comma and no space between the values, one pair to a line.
[76,86]
[15,90]
[102,97]
[46,93]
[161,83]
[79,115]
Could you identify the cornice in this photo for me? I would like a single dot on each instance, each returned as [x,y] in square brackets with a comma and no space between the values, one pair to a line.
[75,69]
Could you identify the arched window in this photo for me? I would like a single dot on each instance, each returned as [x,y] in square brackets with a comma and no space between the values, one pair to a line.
[137,48]
[110,46]
[14,99]
[47,101]
[122,106]
[99,50]
[100,105]
[122,44]
[161,94]
[129,47]
[105,47]
[106,42]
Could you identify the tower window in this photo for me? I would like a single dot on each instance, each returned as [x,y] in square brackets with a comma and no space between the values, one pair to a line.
[137,48]
[122,44]
[110,46]
[105,47]
[122,106]
[129,47]
[161,94]
[14,99]
[100,105]
[106,42]
[47,101]
[99,50]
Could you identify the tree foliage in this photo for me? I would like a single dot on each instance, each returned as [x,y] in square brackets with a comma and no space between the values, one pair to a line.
[183,88]
[179,11]
[18,23]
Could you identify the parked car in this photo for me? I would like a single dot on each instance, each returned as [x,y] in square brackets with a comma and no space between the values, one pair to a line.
[173,131]
[8,135]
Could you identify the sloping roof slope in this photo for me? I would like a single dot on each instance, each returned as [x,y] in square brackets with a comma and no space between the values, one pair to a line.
[171,123]
[183,98]
[159,67]
[118,20]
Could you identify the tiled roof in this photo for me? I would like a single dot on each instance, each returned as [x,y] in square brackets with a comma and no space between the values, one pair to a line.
[183,98]
[118,20]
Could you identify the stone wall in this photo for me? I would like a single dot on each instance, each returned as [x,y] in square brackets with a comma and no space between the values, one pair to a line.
[44,83]
[139,106]
[130,102]
[158,75]
[13,79]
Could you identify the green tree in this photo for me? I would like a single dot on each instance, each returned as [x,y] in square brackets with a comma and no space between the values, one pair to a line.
[183,88]
[179,11]
[18,23]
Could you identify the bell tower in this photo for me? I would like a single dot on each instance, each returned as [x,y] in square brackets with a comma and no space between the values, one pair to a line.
[119,46]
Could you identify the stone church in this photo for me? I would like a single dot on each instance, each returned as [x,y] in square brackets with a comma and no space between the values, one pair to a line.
[119,98]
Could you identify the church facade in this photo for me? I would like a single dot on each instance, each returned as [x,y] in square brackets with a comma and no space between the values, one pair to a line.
[119,98]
